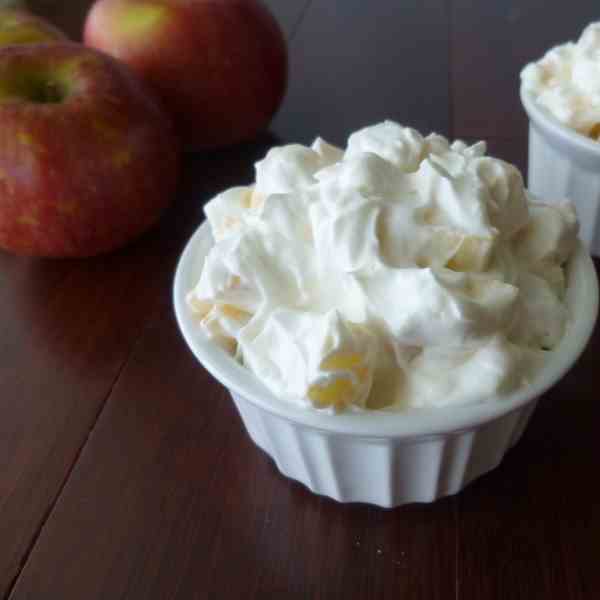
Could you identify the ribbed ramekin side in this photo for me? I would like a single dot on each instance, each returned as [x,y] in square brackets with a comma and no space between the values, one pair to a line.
[556,173]
[524,417]
[387,471]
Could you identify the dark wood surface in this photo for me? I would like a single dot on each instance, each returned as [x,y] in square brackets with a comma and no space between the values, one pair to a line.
[125,472]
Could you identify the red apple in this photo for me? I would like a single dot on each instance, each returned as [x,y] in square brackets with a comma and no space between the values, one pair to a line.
[20,27]
[88,157]
[220,66]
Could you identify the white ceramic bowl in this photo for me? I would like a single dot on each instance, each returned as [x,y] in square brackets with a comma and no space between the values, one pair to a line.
[384,458]
[564,164]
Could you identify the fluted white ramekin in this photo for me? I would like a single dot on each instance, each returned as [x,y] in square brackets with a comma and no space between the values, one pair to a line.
[384,458]
[564,164]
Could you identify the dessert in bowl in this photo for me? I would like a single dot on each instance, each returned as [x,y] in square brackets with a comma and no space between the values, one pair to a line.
[385,317]
[561,96]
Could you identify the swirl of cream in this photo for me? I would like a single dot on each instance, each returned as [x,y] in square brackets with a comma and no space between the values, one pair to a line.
[341,276]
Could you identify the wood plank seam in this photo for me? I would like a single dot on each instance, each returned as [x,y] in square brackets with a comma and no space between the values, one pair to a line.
[296,25]
[54,502]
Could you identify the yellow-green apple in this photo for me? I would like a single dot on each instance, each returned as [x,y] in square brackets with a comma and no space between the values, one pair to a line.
[88,156]
[20,27]
[220,66]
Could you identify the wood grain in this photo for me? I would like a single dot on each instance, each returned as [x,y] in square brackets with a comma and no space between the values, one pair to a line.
[67,329]
[491,43]
[531,529]
[180,504]
[124,469]
[60,354]
[355,63]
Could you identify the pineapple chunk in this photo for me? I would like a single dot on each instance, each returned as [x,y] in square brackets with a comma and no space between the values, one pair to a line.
[473,254]
[222,323]
[344,382]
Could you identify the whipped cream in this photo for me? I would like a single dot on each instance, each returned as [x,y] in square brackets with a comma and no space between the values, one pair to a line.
[566,82]
[403,271]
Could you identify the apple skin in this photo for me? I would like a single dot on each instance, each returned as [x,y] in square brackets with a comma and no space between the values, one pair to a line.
[20,27]
[220,66]
[88,157]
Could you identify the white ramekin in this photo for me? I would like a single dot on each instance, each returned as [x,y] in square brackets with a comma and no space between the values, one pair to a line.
[384,458]
[564,164]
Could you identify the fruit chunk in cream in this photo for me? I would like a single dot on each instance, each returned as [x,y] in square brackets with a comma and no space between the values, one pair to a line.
[402,271]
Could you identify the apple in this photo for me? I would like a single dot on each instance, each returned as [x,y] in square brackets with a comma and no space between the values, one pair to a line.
[220,67]
[88,156]
[20,27]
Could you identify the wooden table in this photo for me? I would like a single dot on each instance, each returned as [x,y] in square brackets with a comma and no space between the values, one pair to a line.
[124,470]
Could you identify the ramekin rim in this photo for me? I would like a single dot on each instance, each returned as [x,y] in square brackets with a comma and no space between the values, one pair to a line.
[540,115]
[377,424]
